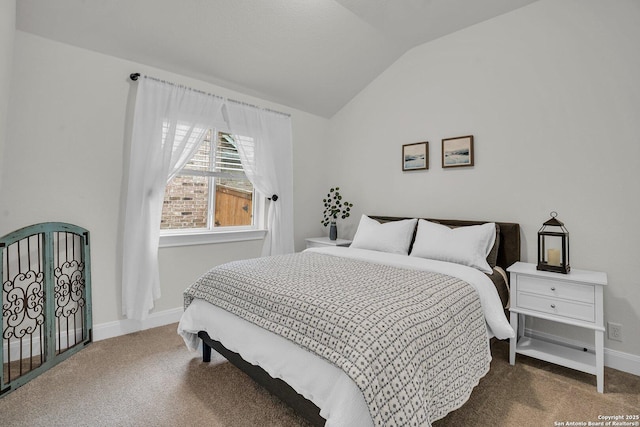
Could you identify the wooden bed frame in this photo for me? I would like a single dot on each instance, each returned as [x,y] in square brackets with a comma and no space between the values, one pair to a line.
[508,253]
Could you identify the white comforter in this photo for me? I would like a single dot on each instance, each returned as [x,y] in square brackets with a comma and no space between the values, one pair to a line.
[339,399]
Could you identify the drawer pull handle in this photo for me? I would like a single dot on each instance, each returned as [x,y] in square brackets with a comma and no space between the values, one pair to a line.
[553,289]
[553,306]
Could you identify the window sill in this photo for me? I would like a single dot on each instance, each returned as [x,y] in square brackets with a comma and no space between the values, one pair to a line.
[207,238]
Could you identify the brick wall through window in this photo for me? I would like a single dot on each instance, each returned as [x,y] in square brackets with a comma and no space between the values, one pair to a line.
[186,203]
[186,200]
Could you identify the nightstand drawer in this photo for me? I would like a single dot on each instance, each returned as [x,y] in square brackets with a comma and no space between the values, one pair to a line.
[555,306]
[557,289]
[315,245]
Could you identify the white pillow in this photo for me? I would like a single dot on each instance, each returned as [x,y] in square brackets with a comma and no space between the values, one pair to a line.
[393,236]
[468,245]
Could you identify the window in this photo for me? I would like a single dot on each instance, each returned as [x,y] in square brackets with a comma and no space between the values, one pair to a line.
[211,194]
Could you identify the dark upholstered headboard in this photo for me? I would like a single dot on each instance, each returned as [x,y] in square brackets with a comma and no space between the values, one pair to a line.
[509,249]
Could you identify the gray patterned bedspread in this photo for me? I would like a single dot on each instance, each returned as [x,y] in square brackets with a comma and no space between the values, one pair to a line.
[414,342]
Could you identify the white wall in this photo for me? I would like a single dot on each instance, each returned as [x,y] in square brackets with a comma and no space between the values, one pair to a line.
[7,32]
[551,93]
[67,124]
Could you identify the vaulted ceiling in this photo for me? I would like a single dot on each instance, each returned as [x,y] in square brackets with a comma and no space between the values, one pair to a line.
[313,55]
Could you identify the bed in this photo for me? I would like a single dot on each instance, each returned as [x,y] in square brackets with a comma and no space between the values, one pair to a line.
[318,374]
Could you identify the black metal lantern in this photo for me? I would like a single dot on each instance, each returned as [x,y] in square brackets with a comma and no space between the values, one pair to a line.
[553,246]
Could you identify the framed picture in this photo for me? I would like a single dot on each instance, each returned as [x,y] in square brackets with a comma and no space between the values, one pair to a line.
[415,156]
[457,151]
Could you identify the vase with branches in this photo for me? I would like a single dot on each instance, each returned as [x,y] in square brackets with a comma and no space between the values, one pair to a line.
[335,206]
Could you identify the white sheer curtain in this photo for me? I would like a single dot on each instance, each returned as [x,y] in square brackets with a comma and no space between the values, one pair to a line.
[267,158]
[169,124]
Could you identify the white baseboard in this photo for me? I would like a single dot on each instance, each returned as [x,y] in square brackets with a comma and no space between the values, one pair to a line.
[621,361]
[101,331]
[116,328]
[626,362]
[31,347]
[612,358]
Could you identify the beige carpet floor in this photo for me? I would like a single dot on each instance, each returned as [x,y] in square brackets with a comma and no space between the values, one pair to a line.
[149,378]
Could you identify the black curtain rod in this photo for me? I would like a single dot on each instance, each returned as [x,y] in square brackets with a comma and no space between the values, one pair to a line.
[135,76]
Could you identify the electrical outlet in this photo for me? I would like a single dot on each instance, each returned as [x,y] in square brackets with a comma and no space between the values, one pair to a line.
[614,331]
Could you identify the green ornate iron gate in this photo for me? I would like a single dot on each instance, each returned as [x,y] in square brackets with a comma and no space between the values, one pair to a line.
[46,299]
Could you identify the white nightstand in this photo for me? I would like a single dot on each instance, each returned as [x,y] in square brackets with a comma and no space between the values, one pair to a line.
[573,299]
[317,242]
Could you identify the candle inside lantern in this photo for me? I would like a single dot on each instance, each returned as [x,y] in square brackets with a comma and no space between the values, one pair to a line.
[553,257]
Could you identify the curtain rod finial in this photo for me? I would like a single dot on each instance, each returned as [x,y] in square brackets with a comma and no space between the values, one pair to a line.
[134,76]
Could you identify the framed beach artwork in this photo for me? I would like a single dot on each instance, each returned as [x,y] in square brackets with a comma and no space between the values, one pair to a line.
[415,156]
[457,151]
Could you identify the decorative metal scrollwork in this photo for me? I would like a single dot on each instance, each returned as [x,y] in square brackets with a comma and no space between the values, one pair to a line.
[69,288]
[23,304]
